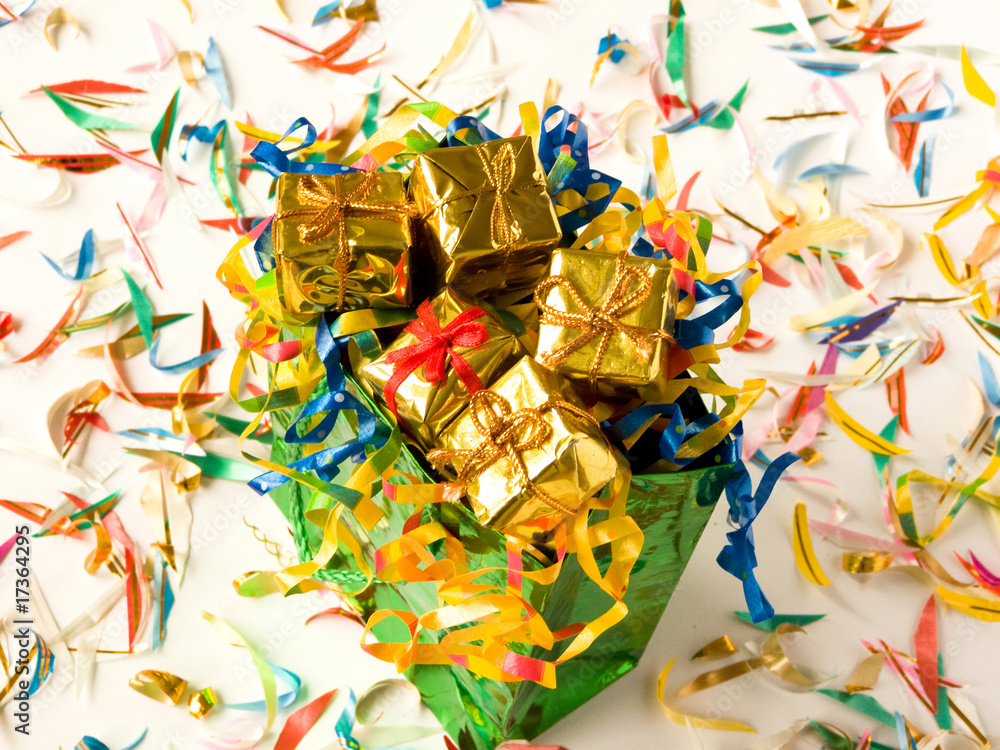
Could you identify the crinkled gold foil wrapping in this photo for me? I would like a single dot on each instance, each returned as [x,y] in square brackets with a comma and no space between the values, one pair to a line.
[487,236]
[426,409]
[624,365]
[379,242]
[572,465]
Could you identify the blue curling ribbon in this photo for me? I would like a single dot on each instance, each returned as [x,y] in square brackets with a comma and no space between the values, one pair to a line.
[676,433]
[275,160]
[705,114]
[692,332]
[201,133]
[467,123]
[84,261]
[326,463]
[181,367]
[285,699]
[263,248]
[738,557]
[569,132]
[45,662]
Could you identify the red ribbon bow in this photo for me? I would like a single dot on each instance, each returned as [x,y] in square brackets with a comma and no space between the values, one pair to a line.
[434,347]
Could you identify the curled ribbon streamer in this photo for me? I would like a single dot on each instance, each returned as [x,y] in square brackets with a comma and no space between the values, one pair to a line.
[434,348]
[603,320]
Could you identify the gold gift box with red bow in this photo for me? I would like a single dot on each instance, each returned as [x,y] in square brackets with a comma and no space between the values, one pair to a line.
[342,242]
[425,377]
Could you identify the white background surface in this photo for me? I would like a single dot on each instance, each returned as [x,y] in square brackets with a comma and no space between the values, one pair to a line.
[558,41]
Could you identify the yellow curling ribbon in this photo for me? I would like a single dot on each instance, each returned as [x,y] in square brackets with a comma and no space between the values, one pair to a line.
[724,725]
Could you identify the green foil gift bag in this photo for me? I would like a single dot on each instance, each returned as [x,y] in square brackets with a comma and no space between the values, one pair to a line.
[671,509]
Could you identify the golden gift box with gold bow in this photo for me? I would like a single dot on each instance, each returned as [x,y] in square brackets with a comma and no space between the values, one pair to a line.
[487,219]
[425,377]
[606,318]
[526,448]
[342,242]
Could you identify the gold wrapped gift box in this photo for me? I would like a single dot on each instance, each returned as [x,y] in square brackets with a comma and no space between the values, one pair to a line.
[425,408]
[487,220]
[606,318]
[342,242]
[526,448]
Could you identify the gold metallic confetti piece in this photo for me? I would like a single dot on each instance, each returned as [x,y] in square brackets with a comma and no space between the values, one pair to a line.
[866,562]
[720,648]
[59,17]
[201,703]
[160,686]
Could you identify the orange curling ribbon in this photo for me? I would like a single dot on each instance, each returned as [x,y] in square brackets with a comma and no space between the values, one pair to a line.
[507,434]
[603,320]
[433,348]
[328,215]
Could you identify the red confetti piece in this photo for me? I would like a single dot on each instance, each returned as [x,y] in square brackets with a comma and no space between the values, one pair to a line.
[10,239]
[925,642]
[87,87]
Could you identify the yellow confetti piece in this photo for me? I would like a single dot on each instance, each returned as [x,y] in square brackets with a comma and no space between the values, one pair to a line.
[665,180]
[813,233]
[944,263]
[974,82]
[987,610]
[695,721]
[805,557]
[859,434]
[842,306]
[59,17]
[192,66]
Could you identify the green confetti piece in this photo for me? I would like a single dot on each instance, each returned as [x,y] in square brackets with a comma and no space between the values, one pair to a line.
[237,426]
[788,28]
[221,467]
[160,138]
[675,61]
[87,120]
[368,125]
[725,119]
[943,717]
[833,740]
[143,308]
[889,433]
[772,624]
[863,703]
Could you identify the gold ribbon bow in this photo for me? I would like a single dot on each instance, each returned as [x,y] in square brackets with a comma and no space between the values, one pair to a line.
[507,433]
[327,214]
[505,230]
[603,320]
